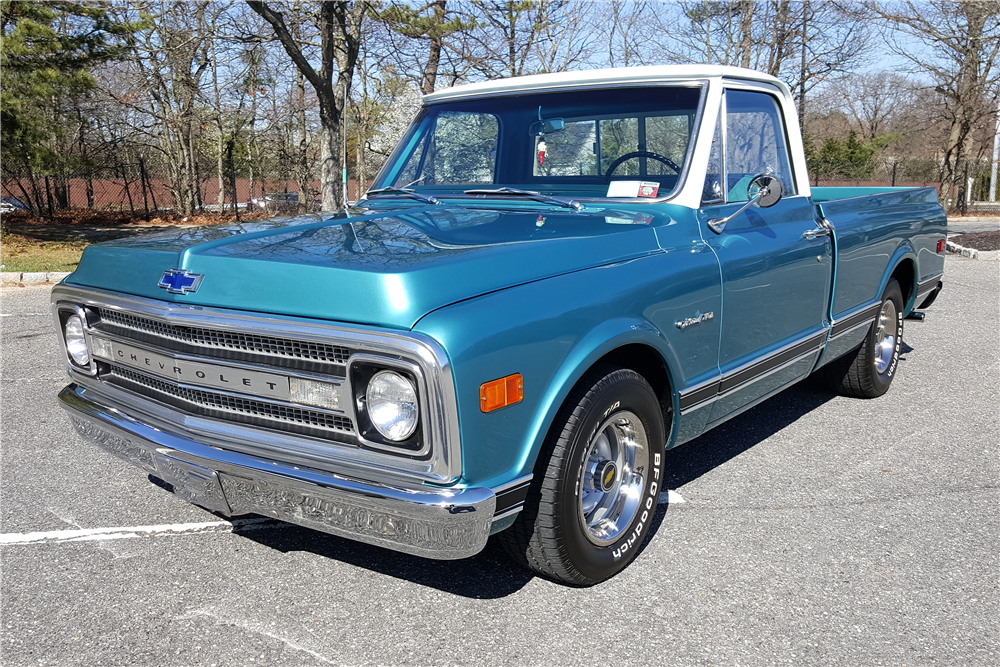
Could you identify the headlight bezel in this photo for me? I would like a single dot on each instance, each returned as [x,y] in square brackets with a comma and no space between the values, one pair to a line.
[67,311]
[361,371]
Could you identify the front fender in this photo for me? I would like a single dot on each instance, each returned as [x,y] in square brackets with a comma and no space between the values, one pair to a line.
[598,342]
[552,331]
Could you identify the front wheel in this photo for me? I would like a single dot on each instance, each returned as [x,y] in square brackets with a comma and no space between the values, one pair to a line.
[591,505]
[868,371]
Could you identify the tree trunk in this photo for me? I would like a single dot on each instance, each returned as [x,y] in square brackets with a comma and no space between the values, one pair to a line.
[802,65]
[339,28]
[777,56]
[963,123]
[221,171]
[436,43]
[302,171]
[329,151]
[221,144]
[746,32]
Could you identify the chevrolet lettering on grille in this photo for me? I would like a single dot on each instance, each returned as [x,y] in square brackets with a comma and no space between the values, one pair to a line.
[236,380]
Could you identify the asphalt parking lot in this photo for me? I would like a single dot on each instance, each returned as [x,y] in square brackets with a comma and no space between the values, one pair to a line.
[812,530]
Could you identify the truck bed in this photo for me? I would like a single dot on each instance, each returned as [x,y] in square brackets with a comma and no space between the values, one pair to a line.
[873,227]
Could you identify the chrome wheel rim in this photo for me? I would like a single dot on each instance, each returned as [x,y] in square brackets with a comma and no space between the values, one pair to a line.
[613,477]
[885,336]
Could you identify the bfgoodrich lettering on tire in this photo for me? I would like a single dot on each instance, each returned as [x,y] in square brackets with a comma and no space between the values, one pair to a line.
[597,482]
[868,371]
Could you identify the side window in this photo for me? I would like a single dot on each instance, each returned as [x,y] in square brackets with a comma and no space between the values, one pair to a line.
[712,193]
[755,142]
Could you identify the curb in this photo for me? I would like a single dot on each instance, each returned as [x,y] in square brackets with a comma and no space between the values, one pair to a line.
[974,218]
[972,253]
[23,279]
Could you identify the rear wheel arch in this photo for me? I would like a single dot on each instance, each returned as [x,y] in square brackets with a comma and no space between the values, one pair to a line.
[905,273]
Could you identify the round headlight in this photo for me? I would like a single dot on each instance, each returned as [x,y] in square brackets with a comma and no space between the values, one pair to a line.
[76,344]
[392,405]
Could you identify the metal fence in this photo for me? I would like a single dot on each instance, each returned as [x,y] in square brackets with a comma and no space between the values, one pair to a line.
[883,173]
[970,196]
[143,190]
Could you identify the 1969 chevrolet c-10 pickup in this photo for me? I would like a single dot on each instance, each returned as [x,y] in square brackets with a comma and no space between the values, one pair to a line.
[553,279]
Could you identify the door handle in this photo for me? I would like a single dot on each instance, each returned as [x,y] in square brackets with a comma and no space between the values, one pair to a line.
[813,233]
[823,228]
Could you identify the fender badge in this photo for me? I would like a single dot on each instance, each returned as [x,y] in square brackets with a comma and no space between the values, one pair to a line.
[180,281]
[697,319]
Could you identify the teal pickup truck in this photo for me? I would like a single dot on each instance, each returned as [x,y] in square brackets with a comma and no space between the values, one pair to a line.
[553,280]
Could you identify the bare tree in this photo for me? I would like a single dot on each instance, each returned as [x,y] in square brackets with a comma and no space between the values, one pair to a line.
[627,30]
[167,61]
[803,42]
[420,38]
[570,34]
[962,38]
[505,36]
[338,29]
[876,103]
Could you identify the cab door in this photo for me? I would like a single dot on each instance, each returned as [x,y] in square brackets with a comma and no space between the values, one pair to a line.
[776,281]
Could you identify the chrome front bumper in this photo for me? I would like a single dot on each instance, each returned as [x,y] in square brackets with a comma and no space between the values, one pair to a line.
[425,521]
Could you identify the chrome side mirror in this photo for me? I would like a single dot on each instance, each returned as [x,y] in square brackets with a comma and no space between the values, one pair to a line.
[769,191]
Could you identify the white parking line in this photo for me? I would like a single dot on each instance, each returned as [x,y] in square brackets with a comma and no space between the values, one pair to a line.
[123,533]
[671,497]
[94,534]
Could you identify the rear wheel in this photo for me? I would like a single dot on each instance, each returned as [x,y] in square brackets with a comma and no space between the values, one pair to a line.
[868,371]
[595,492]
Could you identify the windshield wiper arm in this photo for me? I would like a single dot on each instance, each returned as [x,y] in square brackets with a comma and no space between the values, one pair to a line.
[403,191]
[530,194]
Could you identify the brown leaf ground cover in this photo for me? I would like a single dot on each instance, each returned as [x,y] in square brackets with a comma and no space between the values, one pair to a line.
[984,241]
[55,243]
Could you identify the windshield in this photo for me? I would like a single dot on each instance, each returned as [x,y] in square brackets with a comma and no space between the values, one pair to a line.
[610,142]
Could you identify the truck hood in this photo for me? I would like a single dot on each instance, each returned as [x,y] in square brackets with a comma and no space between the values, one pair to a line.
[386,268]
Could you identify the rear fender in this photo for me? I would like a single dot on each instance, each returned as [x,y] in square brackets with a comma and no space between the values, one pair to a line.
[904,252]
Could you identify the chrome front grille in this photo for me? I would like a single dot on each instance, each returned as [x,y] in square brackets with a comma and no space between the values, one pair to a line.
[211,346]
[235,408]
[229,340]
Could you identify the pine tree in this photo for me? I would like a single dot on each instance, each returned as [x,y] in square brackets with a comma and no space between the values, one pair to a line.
[47,51]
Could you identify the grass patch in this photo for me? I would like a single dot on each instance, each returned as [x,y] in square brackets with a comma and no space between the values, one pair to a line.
[21,253]
[56,243]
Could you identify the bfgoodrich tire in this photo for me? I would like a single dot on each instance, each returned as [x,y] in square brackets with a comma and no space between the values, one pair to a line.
[868,371]
[596,487]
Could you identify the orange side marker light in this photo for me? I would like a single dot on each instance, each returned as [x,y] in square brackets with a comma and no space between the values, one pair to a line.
[497,394]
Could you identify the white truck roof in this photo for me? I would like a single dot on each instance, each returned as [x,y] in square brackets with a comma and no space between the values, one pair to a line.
[617,75]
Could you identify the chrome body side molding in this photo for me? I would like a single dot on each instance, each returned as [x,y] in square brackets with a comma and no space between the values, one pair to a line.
[851,321]
[708,392]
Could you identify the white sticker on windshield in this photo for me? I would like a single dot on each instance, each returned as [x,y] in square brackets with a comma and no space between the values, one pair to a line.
[624,188]
[633,188]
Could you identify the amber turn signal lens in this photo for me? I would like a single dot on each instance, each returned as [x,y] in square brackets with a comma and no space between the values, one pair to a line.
[500,393]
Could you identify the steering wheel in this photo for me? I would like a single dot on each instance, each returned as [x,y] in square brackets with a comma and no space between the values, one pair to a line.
[628,156]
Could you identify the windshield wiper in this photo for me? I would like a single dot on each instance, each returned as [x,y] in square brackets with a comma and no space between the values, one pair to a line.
[403,191]
[530,194]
